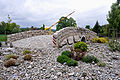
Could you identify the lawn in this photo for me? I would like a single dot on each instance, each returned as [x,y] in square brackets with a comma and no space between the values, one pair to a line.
[3,37]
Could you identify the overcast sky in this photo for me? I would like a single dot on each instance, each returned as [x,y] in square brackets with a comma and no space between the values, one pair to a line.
[29,13]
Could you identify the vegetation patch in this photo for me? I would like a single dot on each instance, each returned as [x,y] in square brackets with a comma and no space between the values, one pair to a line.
[3,37]
[28,57]
[81,45]
[66,53]
[12,56]
[10,62]
[99,40]
[101,64]
[90,59]
[26,52]
[114,45]
[62,59]
[0,53]
[72,63]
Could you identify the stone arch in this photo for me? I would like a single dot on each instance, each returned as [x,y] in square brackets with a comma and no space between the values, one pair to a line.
[70,35]
[83,39]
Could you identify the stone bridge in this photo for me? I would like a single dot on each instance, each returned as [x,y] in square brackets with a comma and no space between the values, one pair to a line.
[40,38]
[26,34]
[70,35]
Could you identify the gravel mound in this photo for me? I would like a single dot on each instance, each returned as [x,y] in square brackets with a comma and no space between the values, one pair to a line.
[42,41]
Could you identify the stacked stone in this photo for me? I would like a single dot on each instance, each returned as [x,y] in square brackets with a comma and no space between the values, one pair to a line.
[72,34]
[26,34]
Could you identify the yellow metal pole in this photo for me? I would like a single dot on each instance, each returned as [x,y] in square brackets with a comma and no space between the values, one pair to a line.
[50,31]
[56,23]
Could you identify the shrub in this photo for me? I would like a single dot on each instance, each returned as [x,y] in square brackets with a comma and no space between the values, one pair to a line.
[26,52]
[66,53]
[0,44]
[12,56]
[101,64]
[114,45]
[62,59]
[10,62]
[80,45]
[90,59]
[72,63]
[28,57]
[99,40]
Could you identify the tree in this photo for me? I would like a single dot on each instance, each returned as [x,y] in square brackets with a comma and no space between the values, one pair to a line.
[87,26]
[43,27]
[2,27]
[9,27]
[114,17]
[66,23]
[96,28]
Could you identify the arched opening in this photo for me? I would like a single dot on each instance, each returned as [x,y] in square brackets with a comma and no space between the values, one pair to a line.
[83,39]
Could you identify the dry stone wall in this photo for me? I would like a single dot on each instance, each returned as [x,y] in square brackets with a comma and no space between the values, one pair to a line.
[26,34]
[70,35]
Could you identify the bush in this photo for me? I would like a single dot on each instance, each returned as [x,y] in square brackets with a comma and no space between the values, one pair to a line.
[114,45]
[10,62]
[12,56]
[66,53]
[90,59]
[26,52]
[99,40]
[72,63]
[81,45]
[0,44]
[62,59]
[28,57]
[101,64]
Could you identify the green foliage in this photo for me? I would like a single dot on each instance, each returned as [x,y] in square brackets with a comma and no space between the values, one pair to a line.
[66,23]
[11,56]
[99,40]
[72,63]
[96,28]
[87,26]
[26,52]
[101,64]
[43,28]
[114,17]
[8,28]
[28,57]
[66,53]
[62,59]
[114,45]
[81,45]
[90,59]
[3,37]
[10,62]
[0,53]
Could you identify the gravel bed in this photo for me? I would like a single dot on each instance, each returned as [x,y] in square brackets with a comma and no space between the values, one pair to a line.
[45,67]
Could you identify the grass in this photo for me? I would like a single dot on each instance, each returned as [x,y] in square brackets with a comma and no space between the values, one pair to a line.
[3,37]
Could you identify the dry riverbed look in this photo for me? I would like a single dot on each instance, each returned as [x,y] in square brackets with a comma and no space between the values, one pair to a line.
[44,65]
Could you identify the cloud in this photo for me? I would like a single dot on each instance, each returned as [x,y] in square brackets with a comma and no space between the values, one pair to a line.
[29,13]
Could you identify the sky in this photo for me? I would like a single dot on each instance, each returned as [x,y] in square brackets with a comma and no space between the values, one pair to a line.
[27,13]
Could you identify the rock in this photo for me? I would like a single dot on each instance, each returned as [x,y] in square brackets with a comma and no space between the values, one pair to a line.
[59,74]
[29,67]
[71,74]
[52,70]
[55,77]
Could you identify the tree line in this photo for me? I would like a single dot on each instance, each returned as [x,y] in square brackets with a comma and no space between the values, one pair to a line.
[113,19]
